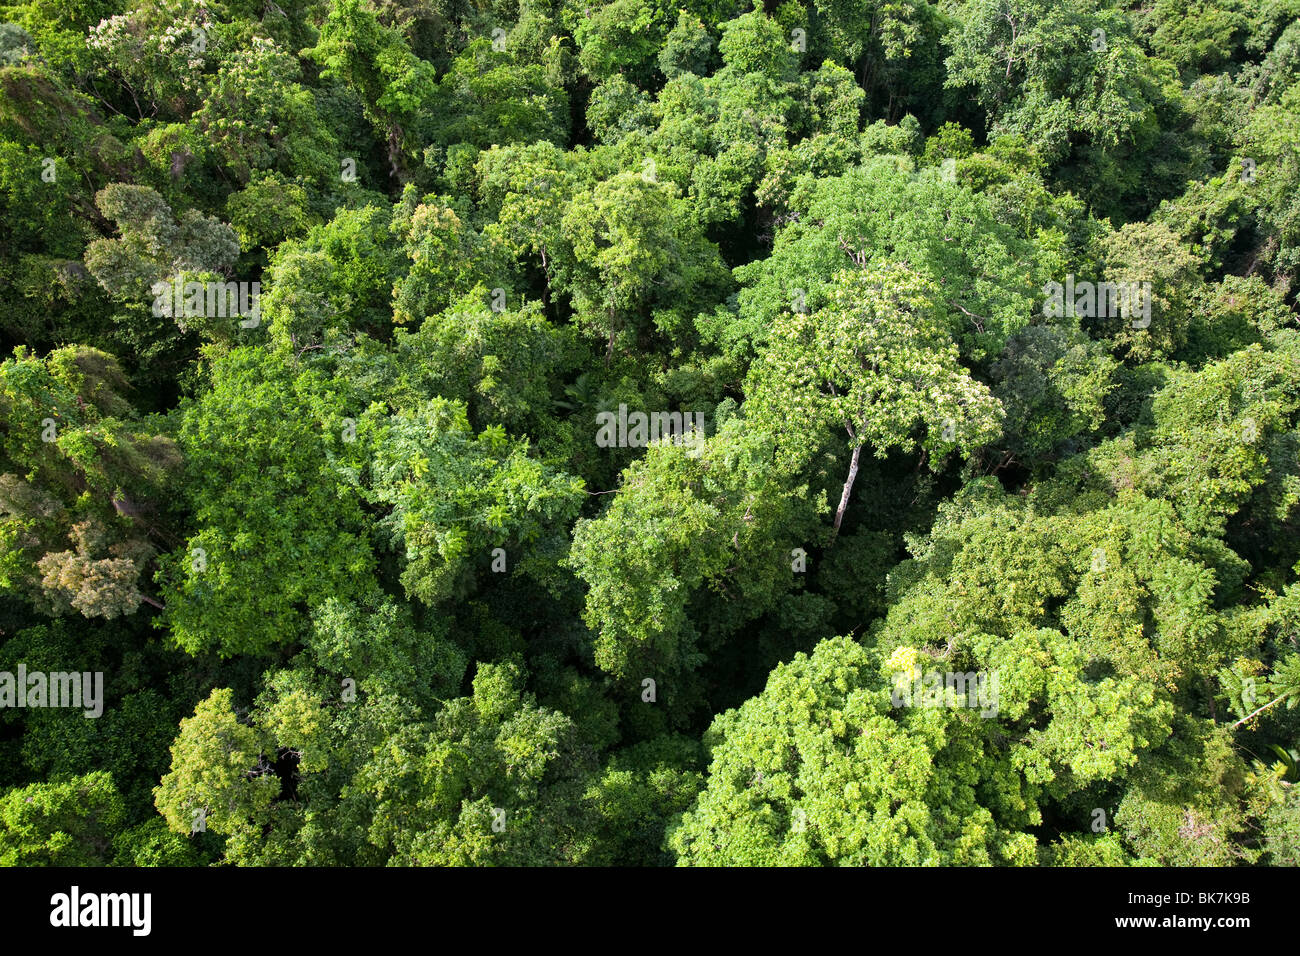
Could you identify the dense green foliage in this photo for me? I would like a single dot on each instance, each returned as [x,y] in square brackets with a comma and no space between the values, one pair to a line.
[557,433]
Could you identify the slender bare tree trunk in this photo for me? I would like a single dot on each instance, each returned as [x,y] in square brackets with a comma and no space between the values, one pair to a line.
[1259,711]
[848,489]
